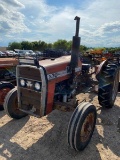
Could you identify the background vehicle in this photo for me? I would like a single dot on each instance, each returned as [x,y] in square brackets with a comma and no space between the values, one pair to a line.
[10,53]
[20,53]
[30,53]
[54,83]
[2,54]
[7,77]
[39,54]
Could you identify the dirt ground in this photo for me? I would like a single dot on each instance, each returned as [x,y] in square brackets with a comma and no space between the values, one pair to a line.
[46,139]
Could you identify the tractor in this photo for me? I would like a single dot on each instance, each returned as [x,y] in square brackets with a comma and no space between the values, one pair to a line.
[49,84]
[7,77]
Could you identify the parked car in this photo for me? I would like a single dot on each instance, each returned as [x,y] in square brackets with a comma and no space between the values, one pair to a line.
[23,53]
[30,53]
[2,54]
[38,53]
[20,53]
[9,53]
[6,53]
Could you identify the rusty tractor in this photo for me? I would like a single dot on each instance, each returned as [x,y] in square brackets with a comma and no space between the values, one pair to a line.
[7,77]
[54,84]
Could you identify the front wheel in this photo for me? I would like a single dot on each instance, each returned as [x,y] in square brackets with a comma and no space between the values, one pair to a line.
[11,105]
[81,126]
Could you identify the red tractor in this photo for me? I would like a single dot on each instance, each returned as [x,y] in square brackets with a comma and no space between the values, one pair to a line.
[7,77]
[49,84]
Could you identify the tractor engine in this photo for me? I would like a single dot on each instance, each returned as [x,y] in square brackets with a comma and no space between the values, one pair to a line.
[64,91]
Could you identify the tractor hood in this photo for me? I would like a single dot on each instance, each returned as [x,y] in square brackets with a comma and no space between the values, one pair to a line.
[55,65]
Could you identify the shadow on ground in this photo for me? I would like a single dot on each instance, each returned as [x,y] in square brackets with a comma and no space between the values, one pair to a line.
[53,143]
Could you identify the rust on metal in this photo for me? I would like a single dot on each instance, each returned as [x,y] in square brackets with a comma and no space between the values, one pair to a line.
[87,127]
[5,62]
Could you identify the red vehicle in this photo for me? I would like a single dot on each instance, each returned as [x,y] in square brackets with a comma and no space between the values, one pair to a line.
[7,77]
[49,84]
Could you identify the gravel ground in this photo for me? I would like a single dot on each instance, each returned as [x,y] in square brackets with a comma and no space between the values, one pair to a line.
[45,138]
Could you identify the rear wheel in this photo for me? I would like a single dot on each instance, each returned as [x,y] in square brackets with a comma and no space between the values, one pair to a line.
[5,87]
[108,85]
[119,87]
[11,105]
[81,126]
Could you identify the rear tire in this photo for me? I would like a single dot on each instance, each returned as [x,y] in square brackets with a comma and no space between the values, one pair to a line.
[5,87]
[108,85]
[81,126]
[11,105]
[119,87]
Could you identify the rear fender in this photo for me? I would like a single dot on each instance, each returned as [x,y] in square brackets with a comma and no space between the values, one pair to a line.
[5,83]
[100,68]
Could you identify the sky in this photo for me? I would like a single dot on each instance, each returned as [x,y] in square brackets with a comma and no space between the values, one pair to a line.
[50,20]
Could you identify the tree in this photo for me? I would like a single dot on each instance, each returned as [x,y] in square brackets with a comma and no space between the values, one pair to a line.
[36,45]
[14,45]
[43,45]
[60,44]
[49,45]
[83,48]
[27,45]
[69,45]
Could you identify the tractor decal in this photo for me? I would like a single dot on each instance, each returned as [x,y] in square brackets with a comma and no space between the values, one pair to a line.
[62,73]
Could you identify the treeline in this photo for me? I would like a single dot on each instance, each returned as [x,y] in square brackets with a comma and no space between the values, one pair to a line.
[59,44]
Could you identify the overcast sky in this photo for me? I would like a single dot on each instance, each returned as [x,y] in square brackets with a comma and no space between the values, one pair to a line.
[50,20]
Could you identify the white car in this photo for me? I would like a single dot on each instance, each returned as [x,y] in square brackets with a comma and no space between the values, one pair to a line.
[30,53]
[20,53]
[2,54]
[10,53]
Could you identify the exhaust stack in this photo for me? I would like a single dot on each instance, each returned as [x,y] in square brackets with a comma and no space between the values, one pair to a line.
[75,46]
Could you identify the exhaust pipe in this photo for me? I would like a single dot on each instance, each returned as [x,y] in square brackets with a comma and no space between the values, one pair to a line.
[75,47]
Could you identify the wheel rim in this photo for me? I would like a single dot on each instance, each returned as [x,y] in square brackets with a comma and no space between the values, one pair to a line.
[3,93]
[115,87]
[87,127]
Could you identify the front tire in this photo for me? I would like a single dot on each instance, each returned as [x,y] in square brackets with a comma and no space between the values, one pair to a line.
[108,85]
[11,105]
[81,126]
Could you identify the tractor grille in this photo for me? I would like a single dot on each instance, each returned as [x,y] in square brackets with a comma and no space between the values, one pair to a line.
[29,73]
[29,90]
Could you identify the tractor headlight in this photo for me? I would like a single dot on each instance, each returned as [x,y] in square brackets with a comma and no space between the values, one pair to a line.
[37,86]
[22,82]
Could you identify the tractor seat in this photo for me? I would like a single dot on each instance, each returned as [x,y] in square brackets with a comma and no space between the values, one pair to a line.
[85,67]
